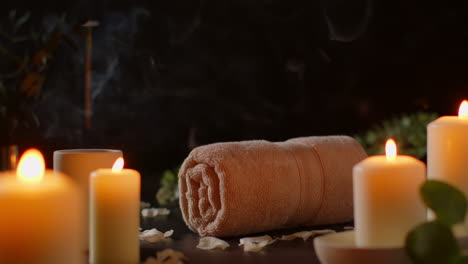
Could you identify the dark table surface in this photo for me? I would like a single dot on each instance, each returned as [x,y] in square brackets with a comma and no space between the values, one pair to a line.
[184,240]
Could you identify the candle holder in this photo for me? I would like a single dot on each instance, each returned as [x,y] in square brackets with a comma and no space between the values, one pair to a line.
[341,248]
[78,164]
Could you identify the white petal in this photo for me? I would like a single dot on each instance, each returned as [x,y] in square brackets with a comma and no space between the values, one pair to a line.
[161,211]
[154,236]
[168,233]
[151,260]
[255,244]
[169,256]
[306,234]
[152,212]
[146,212]
[208,243]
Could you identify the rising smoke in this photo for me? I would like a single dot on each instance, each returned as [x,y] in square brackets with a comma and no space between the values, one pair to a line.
[60,107]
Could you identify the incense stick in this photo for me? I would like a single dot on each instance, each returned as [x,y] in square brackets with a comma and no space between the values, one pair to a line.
[89,47]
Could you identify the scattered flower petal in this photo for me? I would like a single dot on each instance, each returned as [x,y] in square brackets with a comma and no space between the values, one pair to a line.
[154,236]
[152,212]
[209,243]
[255,244]
[150,260]
[306,234]
[168,233]
[169,256]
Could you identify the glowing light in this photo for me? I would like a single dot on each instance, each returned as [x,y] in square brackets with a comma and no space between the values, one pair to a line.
[118,165]
[390,149]
[463,110]
[31,166]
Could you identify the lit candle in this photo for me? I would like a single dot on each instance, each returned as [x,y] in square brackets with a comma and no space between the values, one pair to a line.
[447,149]
[39,215]
[115,215]
[386,198]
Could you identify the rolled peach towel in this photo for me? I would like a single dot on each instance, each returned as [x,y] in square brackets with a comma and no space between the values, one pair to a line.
[236,188]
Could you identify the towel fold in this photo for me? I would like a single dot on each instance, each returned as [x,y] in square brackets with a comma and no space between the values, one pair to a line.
[236,188]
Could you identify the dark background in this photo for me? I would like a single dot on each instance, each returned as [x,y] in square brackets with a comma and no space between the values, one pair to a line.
[171,75]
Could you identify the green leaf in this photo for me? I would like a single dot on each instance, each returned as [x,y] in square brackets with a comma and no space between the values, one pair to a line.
[168,193]
[408,130]
[168,177]
[448,203]
[432,243]
[23,19]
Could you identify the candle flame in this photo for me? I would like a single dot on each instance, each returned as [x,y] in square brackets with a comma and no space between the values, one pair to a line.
[118,165]
[390,149]
[463,110]
[31,166]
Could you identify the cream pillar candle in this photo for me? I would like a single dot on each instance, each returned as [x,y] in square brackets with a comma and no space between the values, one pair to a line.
[78,164]
[447,149]
[39,215]
[115,215]
[386,198]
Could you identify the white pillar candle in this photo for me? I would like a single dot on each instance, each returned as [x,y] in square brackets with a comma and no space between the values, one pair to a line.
[115,215]
[447,149]
[39,215]
[78,164]
[386,198]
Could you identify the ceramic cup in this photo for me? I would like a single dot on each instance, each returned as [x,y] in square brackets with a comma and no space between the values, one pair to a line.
[78,164]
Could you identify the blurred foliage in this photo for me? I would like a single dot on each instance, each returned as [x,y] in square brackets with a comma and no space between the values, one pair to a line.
[168,193]
[24,56]
[434,242]
[409,131]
